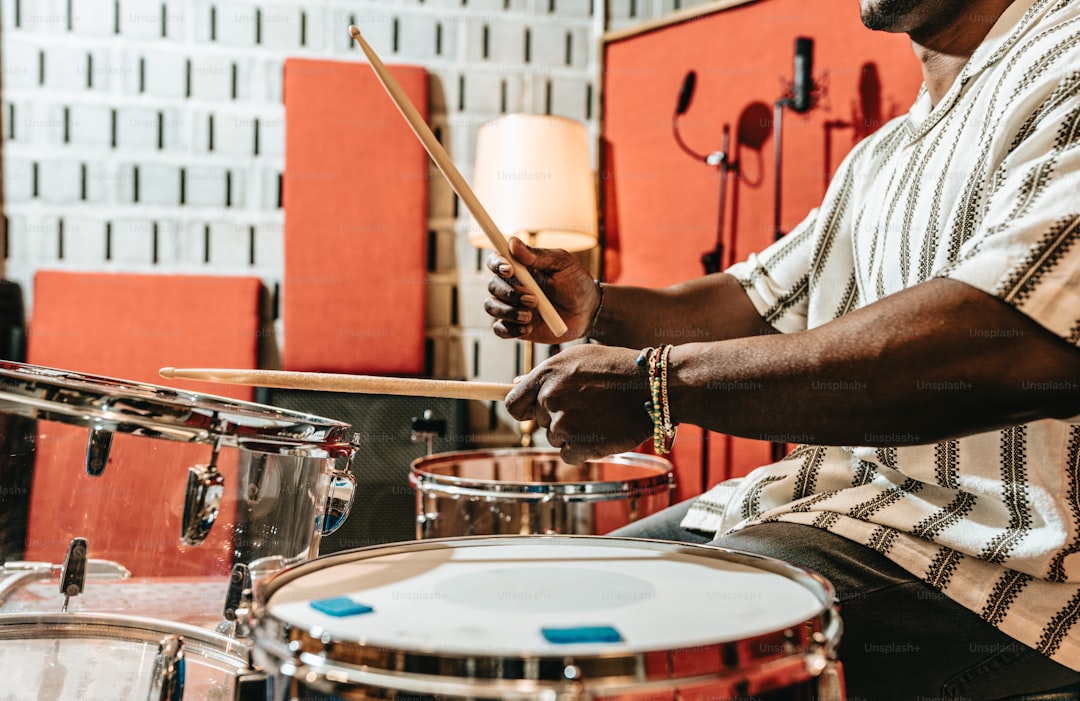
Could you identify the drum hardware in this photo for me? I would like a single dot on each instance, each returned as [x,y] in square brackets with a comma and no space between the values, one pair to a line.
[235,601]
[73,572]
[202,499]
[98,445]
[340,493]
[167,679]
[427,429]
[22,573]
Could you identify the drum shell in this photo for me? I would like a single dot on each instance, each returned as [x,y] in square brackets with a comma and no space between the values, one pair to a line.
[790,663]
[533,492]
[278,469]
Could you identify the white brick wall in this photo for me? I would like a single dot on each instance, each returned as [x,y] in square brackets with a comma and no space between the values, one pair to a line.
[148,135]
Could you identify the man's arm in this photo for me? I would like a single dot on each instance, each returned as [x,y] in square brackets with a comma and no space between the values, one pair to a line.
[936,361]
[711,308]
[939,360]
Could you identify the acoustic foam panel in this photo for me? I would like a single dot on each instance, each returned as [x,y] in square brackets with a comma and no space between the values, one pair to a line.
[355,198]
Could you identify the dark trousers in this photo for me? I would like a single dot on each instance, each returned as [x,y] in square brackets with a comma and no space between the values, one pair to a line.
[903,640]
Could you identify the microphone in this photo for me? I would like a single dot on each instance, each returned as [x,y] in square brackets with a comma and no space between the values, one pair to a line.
[686,93]
[802,90]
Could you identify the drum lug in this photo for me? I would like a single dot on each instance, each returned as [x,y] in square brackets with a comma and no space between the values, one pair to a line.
[98,446]
[425,522]
[205,487]
[73,571]
[339,501]
[237,600]
[167,683]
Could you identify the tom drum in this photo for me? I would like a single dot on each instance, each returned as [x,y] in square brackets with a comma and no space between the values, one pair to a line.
[155,489]
[532,491]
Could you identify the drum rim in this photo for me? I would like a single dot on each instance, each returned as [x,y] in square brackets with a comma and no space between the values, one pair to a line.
[309,648]
[205,643]
[156,411]
[587,490]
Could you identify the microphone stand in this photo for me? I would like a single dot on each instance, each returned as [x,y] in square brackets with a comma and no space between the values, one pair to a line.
[800,103]
[712,261]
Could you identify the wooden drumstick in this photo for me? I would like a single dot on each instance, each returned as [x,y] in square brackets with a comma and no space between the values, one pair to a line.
[458,183]
[333,382]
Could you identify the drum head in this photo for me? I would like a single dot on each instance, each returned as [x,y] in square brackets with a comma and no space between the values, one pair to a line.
[606,607]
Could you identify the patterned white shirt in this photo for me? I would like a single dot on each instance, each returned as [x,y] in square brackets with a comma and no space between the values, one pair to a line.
[983,188]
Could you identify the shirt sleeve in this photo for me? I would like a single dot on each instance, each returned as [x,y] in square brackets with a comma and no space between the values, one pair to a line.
[1025,251]
[777,279]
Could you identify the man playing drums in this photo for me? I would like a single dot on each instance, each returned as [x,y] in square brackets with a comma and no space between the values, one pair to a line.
[939,282]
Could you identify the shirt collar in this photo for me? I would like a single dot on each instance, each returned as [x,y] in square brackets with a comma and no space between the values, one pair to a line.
[1013,24]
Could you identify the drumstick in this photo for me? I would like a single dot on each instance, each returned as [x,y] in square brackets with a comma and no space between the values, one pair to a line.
[457,182]
[333,382]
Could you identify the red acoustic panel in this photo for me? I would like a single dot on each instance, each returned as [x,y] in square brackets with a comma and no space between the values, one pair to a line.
[128,326]
[355,197]
[661,206]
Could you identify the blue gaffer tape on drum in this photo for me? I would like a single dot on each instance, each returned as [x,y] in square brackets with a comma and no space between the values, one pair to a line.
[217,591]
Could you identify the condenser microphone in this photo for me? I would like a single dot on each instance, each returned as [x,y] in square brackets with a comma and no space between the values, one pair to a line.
[802,90]
[686,93]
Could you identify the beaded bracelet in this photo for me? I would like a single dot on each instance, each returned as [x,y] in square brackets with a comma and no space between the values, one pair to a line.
[656,360]
[596,316]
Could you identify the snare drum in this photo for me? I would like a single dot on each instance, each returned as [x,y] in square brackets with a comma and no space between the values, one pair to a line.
[521,492]
[163,484]
[547,617]
[86,657]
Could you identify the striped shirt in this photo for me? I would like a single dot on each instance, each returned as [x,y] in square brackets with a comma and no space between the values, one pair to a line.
[983,188]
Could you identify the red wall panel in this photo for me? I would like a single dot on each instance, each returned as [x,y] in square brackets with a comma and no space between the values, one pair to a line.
[355,198]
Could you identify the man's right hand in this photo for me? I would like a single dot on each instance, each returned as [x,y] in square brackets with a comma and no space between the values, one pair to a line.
[566,283]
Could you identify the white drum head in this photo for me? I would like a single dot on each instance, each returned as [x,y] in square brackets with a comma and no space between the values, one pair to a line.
[510,596]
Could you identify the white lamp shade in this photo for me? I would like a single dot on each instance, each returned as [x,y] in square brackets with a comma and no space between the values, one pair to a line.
[534,177]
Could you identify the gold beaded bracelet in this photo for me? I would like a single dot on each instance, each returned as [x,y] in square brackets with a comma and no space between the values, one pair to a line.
[659,410]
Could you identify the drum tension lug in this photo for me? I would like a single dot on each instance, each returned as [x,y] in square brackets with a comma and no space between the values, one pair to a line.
[98,446]
[237,600]
[202,498]
[73,571]
[167,682]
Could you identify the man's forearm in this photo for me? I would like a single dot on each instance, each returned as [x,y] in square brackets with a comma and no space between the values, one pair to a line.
[937,361]
[713,308]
